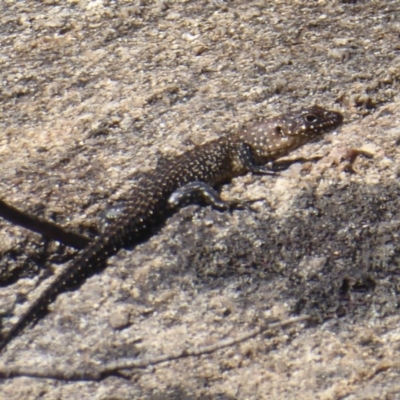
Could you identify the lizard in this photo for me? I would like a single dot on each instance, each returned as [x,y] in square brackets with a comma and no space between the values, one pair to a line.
[193,174]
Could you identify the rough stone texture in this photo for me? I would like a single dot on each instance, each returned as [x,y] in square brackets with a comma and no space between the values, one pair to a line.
[94,93]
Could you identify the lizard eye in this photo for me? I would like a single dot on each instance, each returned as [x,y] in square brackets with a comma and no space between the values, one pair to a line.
[310,118]
[279,131]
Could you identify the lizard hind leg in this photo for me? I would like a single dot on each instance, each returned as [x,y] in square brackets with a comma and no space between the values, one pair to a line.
[196,192]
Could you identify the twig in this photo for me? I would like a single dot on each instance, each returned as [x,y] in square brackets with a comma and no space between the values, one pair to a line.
[49,230]
[116,368]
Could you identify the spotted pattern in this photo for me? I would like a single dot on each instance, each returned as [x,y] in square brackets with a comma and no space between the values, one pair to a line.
[210,164]
[277,137]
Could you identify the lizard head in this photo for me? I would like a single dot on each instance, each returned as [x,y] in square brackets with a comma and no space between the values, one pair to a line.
[308,122]
[276,137]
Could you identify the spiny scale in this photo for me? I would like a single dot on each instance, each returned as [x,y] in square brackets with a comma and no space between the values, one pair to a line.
[192,173]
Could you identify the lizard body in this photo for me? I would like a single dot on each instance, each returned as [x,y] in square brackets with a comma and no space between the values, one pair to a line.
[195,172]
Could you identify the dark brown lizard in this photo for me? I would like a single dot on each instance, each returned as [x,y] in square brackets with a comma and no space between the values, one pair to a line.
[192,174]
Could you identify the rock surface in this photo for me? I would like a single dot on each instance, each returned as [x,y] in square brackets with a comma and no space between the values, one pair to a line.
[95,93]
